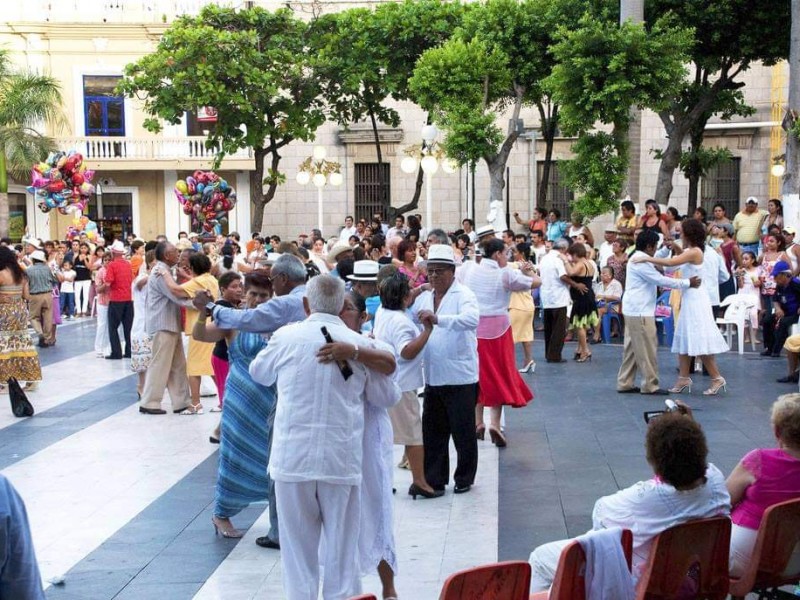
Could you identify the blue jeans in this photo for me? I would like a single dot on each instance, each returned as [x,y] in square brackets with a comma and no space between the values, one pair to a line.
[67,303]
[750,248]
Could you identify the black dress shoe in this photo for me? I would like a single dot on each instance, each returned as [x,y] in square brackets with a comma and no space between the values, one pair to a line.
[789,378]
[265,542]
[633,390]
[767,352]
[112,357]
[560,360]
[152,411]
[657,392]
[213,440]
[462,489]
[415,491]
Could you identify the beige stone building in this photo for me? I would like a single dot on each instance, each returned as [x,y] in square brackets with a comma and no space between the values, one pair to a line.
[87,44]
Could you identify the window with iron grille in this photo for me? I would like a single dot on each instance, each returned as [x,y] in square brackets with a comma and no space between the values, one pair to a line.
[721,184]
[559,196]
[368,197]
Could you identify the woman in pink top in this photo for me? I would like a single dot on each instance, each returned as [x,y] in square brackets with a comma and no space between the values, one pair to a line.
[765,477]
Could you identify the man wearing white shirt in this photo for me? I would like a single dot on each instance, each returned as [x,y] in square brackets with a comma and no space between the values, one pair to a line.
[348,229]
[451,373]
[554,295]
[639,307]
[317,446]
[399,229]
[606,249]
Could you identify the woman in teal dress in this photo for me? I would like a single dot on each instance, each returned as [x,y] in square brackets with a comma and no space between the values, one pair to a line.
[243,452]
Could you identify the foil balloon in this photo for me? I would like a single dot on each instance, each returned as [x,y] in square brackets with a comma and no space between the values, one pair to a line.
[206,198]
[62,182]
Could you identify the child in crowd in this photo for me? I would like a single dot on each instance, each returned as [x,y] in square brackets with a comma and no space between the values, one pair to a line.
[67,290]
[748,280]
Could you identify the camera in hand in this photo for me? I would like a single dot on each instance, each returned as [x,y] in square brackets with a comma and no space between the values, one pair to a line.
[653,414]
[344,368]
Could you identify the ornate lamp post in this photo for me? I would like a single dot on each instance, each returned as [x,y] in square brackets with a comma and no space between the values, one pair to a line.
[428,156]
[319,171]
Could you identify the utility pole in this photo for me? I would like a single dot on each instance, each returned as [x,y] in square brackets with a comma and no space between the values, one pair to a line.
[633,10]
[791,179]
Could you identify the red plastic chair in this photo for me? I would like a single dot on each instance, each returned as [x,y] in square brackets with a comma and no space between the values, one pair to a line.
[688,561]
[501,581]
[777,537]
[364,597]
[570,581]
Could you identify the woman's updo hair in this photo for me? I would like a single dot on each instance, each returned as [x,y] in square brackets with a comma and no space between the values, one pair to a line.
[578,250]
[393,291]
[694,231]
[491,246]
[786,419]
[677,449]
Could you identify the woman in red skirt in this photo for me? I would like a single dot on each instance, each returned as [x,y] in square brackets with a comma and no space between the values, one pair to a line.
[499,381]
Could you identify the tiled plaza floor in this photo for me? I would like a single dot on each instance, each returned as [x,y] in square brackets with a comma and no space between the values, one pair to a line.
[120,503]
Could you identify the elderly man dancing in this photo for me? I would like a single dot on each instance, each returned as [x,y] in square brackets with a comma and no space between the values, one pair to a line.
[317,443]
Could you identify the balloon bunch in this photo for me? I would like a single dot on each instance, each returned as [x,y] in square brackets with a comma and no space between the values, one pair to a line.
[63,182]
[82,224]
[207,198]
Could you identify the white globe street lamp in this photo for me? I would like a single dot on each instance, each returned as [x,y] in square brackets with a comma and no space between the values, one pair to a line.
[408,164]
[319,171]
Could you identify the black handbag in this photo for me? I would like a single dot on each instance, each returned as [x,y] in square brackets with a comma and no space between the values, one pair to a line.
[20,405]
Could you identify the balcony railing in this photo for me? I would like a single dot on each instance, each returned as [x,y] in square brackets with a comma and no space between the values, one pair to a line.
[143,149]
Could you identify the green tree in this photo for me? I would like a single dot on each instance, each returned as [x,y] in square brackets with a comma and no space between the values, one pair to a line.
[602,70]
[495,63]
[26,101]
[366,56]
[729,36]
[252,66]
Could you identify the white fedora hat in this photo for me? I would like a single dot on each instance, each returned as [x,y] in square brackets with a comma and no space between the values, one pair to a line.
[364,270]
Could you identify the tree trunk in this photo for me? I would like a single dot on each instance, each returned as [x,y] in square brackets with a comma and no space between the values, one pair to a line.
[549,127]
[791,180]
[694,183]
[695,169]
[260,200]
[3,196]
[413,204]
[670,160]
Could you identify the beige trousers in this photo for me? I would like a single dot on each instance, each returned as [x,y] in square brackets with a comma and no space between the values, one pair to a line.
[167,370]
[639,354]
[40,307]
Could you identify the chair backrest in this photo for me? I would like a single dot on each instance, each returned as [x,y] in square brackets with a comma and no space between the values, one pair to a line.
[364,597]
[777,537]
[689,560]
[736,310]
[501,581]
[570,581]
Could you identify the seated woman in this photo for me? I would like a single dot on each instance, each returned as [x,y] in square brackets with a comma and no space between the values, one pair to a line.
[607,294]
[764,477]
[684,487]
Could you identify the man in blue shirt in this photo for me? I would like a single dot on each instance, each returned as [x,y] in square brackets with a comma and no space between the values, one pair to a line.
[786,302]
[288,276]
[19,572]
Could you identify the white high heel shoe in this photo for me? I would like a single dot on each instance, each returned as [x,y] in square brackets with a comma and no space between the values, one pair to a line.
[529,368]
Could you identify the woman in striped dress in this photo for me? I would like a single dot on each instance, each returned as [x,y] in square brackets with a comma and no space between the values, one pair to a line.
[244,451]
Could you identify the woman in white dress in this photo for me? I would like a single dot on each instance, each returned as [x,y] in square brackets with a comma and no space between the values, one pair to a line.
[696,333]
[141,343]
[376,537]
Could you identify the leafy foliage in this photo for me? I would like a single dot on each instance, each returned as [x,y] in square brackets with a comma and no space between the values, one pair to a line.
[251,66]
[26,101]
[602,70]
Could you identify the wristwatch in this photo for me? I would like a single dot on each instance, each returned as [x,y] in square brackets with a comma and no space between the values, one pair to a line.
[210,309]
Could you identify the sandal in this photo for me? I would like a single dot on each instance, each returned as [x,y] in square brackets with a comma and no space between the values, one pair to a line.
[216,409]
[194,409]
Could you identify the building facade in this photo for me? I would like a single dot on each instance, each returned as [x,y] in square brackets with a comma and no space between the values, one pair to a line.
[137,170]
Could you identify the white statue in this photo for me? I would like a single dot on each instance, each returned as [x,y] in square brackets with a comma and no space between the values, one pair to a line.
[497,217]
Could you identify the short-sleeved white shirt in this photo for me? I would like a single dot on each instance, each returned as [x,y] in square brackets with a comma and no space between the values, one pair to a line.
[554,293]
[394,327]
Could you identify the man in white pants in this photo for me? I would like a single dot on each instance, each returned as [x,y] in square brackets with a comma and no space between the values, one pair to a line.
[317,444]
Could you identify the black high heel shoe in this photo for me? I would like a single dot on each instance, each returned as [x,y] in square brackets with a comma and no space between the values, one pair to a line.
[415,491]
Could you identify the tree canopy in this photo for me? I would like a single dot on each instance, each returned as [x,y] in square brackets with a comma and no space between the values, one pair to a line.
[252,66]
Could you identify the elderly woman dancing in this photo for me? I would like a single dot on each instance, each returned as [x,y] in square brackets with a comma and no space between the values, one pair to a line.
[499,381]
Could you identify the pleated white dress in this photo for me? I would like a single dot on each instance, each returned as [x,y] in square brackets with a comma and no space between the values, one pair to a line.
[696,333]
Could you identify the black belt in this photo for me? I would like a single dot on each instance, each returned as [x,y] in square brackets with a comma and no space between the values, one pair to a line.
[40,293]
